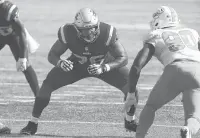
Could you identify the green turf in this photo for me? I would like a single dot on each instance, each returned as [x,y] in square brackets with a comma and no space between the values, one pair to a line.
[75,116]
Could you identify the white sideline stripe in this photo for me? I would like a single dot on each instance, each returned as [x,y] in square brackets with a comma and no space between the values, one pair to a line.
[80,122]
[81,102]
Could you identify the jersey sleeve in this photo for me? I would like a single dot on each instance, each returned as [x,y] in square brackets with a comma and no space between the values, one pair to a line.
[112,36]
[62,35]
[9,10]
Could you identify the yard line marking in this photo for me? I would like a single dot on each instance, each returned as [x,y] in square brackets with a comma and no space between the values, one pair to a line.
[61,95]
[80,122]
[107,87]
[42,70]
[80,102]
[89,92]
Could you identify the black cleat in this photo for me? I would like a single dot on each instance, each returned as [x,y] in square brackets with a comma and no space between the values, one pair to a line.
[30,129]
[5,130]
[130,126]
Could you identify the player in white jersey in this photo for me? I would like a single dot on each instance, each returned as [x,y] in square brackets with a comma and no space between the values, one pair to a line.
[177,48]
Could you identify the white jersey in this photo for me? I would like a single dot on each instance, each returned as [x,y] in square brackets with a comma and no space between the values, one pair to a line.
[171,44]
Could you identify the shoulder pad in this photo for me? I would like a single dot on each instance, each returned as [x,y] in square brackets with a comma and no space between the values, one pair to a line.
[112,36]
[9,10]
[62,36]
[151,37]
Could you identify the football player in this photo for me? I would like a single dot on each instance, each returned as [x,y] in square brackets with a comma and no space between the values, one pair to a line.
[13,34]
[90,41]
[177,48]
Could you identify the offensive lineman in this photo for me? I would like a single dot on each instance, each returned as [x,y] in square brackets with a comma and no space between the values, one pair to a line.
[12,33]
[89,41]
[177,48]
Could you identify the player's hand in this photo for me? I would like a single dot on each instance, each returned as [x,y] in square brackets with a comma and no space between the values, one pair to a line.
[65,65]
[95,69]
[130,100]
[21,64]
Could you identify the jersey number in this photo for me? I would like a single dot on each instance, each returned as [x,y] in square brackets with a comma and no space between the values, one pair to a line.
[92,60]
[178,40]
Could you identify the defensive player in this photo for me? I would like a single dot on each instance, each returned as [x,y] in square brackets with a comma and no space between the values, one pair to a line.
[13,34]
[90,41]
[177,48]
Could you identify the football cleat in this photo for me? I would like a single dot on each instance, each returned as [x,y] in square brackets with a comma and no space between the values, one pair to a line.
[30,129]
[5,130]
[185,132]
[130,126]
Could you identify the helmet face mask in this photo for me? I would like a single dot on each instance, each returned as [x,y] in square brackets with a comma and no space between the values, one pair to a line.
[164,17]
[87,24]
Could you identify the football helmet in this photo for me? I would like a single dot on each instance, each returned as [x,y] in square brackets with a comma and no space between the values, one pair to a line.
[2,1]
[87,24]
[164,17]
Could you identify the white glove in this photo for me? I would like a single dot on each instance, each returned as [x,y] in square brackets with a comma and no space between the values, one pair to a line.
[21,64]
[65,65]
[97,69]
[130,100]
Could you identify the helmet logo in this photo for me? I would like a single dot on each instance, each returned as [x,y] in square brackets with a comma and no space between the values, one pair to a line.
[158,13]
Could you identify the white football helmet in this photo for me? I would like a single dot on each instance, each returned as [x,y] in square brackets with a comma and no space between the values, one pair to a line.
[2,1]
[164,17]
[87,24]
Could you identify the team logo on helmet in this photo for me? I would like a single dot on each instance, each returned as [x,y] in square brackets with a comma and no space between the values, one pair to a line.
[164,17]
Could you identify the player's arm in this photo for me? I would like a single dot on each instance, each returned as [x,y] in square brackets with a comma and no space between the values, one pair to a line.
[199,44]
[117,50]
[56,51]
[142,58]
[19,29]
[58,48]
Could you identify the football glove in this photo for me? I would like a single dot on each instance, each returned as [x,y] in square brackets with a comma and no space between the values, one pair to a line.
[130,101]
[97,69]
[65,65]
[21,64]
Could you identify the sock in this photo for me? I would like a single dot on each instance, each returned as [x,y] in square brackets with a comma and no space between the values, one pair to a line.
[34,119]
[193,124]
[40,104]
[31,78]
[130,118]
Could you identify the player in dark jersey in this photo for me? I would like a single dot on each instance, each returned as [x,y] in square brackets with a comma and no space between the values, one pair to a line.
[90,41]
[12,33]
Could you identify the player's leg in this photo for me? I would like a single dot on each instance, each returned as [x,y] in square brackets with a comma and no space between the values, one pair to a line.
[165,90]
[191,102]
[55,79]
[3,129]
[29,73]
[119,79]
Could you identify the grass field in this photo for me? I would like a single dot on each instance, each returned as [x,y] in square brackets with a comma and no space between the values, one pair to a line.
[89,108]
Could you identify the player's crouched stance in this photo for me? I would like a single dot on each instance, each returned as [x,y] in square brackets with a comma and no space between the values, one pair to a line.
[177,48]
[90,41]
[13,34]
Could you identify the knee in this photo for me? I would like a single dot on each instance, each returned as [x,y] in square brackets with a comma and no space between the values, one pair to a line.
[45,91]
[152,107]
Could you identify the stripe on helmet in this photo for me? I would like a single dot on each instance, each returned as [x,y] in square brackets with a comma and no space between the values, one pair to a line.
[110,35]
[62,34]
[10,12]
[173,14]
